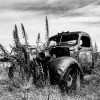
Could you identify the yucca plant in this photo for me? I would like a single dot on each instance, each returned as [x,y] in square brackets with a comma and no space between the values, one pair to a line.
[20,70]
[25,36]
[16,37]
[21,57]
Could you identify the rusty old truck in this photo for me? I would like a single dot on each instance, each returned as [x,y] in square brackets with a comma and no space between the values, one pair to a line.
[68,57]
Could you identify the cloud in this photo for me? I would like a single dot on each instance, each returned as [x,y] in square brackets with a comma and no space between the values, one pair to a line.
[47,6]
[84,11]
[89,10]
[89,14]
[52,6]
[81,11]
[9,4]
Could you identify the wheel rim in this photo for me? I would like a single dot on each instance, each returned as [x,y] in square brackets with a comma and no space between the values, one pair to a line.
[73,80]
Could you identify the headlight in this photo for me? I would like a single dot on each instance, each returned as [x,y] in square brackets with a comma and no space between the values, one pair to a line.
[41,55]
[59,71]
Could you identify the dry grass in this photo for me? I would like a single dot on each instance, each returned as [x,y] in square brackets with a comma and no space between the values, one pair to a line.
[8,91]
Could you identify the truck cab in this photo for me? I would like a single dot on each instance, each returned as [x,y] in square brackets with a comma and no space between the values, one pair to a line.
[77,45]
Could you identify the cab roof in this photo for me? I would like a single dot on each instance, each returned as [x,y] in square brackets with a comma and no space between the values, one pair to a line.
[69,33]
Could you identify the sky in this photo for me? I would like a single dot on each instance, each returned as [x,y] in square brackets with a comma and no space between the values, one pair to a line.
[63,15]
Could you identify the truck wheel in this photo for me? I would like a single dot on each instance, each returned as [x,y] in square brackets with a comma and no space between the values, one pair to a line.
[72,80]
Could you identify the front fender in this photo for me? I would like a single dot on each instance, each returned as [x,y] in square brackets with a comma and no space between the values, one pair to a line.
[58,66]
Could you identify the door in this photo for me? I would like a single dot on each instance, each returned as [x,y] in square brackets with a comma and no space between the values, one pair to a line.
[85,53]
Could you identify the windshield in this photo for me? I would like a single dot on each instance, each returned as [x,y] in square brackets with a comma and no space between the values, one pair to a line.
[70,39]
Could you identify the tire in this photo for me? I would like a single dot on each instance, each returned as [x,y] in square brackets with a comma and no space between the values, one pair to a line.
[71,81]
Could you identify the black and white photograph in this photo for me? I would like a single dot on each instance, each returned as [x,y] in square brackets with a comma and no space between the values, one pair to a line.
[49,49]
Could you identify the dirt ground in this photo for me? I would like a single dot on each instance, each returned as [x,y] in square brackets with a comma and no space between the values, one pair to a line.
[89,91]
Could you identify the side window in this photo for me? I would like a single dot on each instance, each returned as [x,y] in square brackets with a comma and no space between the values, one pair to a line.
[85,41]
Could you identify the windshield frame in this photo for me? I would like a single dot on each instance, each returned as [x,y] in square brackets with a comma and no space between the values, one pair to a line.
[58,39]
